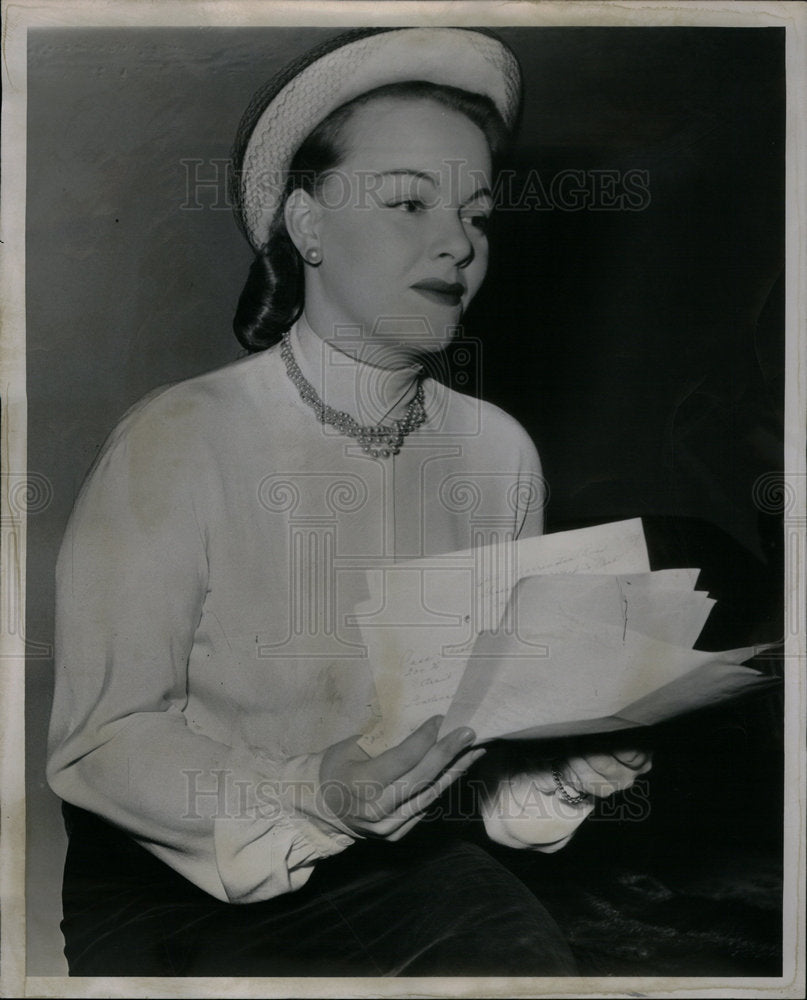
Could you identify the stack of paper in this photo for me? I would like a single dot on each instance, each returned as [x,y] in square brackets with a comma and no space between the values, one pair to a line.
[562,635]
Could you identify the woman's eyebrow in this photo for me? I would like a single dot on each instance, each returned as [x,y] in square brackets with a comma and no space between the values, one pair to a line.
[412,173]
[481,192]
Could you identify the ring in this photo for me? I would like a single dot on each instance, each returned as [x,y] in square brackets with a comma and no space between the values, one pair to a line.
[568,796]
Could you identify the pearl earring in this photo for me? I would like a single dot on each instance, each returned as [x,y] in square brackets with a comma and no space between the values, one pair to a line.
[313,255]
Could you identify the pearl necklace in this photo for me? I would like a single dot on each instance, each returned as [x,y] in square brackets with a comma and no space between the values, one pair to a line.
[380,440]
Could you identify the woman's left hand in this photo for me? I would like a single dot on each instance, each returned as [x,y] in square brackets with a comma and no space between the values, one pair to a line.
[540,805]
[603,774]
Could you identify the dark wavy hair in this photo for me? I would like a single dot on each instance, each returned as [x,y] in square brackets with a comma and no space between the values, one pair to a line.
[272,298]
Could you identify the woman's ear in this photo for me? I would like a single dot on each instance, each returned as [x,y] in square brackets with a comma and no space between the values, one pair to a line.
[302,213]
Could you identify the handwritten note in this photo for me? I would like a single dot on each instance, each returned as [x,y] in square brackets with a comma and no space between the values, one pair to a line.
[423,617]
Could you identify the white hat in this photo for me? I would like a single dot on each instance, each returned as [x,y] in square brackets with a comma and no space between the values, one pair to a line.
[287,109]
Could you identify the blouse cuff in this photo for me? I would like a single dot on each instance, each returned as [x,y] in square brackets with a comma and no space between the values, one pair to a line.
[265,843]
[299,777]
[521,812]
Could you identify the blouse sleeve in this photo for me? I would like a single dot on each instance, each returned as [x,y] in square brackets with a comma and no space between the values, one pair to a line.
[520,809]
[131,581]
[532,492]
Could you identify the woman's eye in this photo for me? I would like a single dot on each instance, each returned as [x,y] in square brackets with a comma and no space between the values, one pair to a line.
[479,221]
[408,205]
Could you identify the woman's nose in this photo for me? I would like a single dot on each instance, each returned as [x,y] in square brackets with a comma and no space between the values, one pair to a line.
[451,238]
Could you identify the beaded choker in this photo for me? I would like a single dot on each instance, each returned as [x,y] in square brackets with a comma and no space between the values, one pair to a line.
[380,440]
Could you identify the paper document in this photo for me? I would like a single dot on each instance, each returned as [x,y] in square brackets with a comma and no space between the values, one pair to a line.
[422,617]
[560,635]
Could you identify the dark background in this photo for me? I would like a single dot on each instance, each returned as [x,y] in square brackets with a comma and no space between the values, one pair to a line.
[643,350]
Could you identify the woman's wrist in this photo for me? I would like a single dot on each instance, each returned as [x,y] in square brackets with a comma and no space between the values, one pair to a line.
[524,810]
[571,796]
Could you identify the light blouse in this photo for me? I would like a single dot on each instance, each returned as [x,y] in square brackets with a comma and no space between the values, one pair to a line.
[205,656]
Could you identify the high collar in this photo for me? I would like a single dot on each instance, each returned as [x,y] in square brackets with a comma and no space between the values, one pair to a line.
[369,393]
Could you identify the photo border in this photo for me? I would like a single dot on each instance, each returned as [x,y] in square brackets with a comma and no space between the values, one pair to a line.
[18,17]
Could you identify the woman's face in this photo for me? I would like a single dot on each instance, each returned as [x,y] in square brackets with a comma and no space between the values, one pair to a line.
[401,225]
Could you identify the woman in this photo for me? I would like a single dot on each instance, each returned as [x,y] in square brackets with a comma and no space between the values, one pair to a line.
[210,688]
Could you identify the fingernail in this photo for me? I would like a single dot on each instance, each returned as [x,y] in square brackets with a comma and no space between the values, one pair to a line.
[465,736]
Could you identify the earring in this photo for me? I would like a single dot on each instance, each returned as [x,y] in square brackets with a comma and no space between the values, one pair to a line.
[313,255]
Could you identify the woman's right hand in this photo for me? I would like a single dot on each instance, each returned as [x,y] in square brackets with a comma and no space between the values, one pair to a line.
[386,796]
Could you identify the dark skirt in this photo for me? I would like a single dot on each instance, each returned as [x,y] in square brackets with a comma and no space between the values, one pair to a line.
[429,905]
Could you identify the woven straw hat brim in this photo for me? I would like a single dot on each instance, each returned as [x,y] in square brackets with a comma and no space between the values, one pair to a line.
[285,111]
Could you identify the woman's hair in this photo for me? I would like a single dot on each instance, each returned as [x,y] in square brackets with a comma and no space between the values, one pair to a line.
[272,298]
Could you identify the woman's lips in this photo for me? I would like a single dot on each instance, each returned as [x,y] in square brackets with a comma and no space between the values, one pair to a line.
[441,292]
